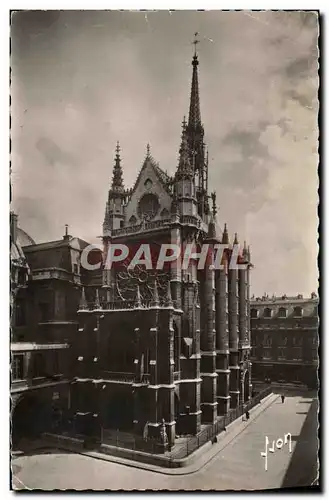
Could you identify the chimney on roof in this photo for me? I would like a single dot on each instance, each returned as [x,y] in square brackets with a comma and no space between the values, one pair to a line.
[67,236]
[13,227]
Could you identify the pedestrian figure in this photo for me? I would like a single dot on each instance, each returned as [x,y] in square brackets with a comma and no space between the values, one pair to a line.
[282,398]
[146,431]
[247,415]
[214,440]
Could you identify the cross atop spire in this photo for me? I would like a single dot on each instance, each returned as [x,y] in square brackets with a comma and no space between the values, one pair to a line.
[195,42]
[148,150]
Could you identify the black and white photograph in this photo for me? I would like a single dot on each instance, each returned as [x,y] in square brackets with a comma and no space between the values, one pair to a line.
[164,282]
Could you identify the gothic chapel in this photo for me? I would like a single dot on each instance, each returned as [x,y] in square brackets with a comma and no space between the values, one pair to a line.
[163,347]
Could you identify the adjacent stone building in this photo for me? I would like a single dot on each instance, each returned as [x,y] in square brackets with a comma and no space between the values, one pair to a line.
[45,292]
[170,344]
[284,333]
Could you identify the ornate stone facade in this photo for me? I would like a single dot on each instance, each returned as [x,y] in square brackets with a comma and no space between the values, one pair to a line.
[170,345]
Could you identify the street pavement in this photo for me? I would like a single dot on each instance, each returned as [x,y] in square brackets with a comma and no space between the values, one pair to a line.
[237,466]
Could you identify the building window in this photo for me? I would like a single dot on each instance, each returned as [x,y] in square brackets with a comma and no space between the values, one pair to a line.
[20,318]
[56,370]
[267,340]
[297,353]
[266,354]
[164,213]
[22,276]
[267,312]
[39,365]
[254,313]
[121,223]
[297,341]
[132,220]
[281,353]
[17,367]
[282,312]
[298,312]
[284,340]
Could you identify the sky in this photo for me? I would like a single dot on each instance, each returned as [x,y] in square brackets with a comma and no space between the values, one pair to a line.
[81,80]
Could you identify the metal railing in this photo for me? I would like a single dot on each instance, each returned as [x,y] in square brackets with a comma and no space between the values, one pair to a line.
[212,430]
[127,305]
[183,447]
[186,446]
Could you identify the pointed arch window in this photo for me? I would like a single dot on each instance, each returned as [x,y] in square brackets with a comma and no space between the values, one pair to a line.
[132,220]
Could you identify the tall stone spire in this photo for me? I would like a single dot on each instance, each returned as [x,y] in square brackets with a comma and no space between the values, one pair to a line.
[195,135]
[114,210]
[117,178]
[194,119]
[225,238]
[184,170]
[245,250]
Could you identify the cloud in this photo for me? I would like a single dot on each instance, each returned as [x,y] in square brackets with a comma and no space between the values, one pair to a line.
[53,153]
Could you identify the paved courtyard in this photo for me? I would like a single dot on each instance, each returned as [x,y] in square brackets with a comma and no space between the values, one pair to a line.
[237,466]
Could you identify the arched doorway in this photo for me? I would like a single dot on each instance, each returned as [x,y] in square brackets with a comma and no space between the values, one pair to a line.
[30,417]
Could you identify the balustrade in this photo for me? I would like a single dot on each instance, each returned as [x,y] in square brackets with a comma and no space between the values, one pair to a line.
[144,226]
[125,377]
[126,305]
